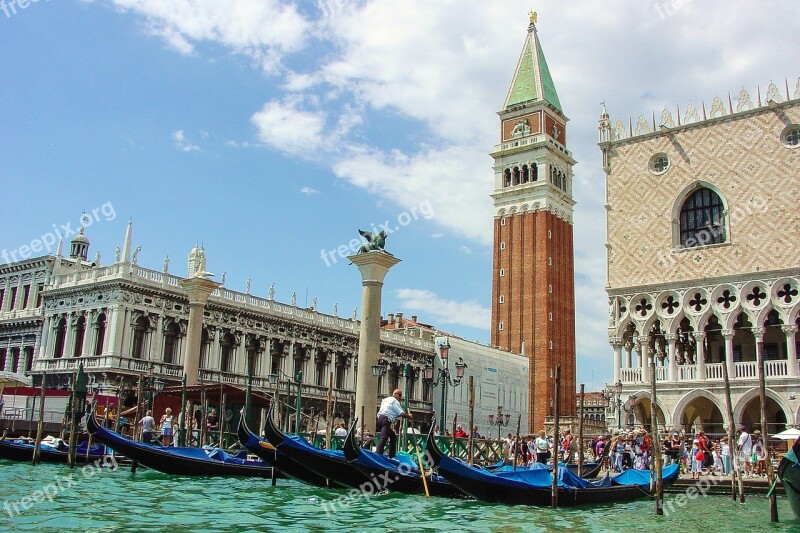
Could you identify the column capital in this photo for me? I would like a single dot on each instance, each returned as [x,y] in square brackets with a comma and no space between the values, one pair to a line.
[670,337]
[699,335]
[758,333]
[789,329]
[728,333]
[616,343]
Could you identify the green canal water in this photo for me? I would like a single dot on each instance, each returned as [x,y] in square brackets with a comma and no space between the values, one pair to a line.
[107,500]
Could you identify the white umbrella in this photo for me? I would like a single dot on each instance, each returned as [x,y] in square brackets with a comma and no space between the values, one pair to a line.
[789,434]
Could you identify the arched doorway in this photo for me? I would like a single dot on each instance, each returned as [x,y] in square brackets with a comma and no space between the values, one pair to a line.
[701,413]
[751,415]
[642,414]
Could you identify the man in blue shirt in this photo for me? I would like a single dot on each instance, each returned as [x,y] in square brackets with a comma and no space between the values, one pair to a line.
[389,411]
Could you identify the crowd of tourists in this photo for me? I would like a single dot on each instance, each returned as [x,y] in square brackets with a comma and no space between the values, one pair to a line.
[697,454]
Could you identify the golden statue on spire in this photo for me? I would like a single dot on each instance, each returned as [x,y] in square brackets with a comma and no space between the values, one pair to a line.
[533,16]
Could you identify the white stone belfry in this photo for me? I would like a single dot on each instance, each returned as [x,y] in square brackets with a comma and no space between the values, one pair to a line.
[373,267]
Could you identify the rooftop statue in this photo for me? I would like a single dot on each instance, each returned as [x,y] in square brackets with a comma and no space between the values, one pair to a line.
[375,242]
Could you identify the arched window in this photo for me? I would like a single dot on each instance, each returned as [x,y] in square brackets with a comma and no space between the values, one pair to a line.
[525,174]
[139,337]
[171,333]
[100,334]
[534,172]
[61,334]
[702,219]
[227,344]
[80,330]
[516,175]
[507,178]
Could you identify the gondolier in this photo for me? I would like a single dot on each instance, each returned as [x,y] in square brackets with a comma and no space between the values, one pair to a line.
[389,411]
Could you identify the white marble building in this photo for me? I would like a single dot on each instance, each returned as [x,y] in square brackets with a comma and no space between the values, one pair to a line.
[703,269]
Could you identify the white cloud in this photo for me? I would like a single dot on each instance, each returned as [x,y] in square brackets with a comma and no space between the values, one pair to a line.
[183,143]
[309,191]
[264,30]
[443,311]
[432,75]
[287,127]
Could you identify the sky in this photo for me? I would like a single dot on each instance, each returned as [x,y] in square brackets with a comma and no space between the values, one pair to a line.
[271,131]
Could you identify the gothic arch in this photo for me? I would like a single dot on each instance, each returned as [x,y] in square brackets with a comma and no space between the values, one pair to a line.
[688,398]
[640,394]
[752,394]
[681,198]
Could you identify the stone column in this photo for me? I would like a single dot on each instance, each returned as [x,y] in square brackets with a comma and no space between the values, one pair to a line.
[198,289]
[629,354]
[644,358]
[728,334]
[373,267]
[672,372]
[701,354]
[791,350]
[46,327]
[617,344]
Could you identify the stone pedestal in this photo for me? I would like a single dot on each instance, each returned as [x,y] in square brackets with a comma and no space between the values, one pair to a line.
[198,290]
[373,267]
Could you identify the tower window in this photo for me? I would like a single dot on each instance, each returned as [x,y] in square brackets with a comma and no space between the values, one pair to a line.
[550,261]
[550,289]
[549,234]
[502,246]
[550,344]
[702,219]
[503,221]
[550,316]
[791,136]
[500,326]
[502,272]
[659,163]
[501,299]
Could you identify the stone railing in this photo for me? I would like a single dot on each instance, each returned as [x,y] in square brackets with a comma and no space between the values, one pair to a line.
[714,372]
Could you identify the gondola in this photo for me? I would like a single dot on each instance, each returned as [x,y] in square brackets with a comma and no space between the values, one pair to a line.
[19,450]
[330,464]
[181,461]
[533,486]
[789,474]
[267,452]
[396,475]
[590,470]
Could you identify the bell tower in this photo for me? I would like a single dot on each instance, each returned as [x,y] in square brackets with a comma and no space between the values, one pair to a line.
[533,286]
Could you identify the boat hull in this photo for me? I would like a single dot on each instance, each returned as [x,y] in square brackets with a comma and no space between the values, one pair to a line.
[285,466]
[789,473]
[176,461]
[24,452]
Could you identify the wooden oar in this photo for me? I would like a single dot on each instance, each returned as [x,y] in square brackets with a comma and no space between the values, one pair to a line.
[422,469]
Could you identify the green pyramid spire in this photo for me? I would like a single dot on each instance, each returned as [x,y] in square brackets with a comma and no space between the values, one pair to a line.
[532,80]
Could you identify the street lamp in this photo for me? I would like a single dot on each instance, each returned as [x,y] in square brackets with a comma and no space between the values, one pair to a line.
[500,419]
[613,393]
[444,376]
[298,379]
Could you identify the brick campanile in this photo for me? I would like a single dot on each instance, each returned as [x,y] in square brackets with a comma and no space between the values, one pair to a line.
[533,285]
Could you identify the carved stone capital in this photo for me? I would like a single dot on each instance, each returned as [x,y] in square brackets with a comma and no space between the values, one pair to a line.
[789,329]
[728,333]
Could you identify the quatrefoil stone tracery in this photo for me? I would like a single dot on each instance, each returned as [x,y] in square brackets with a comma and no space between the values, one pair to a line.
[698,302]
[756,295]
[669,305]
[726,299]
[787,293]
[643,307]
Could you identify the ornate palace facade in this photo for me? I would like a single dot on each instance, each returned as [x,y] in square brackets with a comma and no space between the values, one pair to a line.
[703,268]
[123,320]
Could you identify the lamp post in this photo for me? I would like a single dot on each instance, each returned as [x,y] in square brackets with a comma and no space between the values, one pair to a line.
[499,419]
[613,393]
[298,379]
[444,377]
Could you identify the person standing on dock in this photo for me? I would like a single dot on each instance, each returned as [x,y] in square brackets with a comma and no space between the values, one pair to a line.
[147,422]
[389,411]
[745,449]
